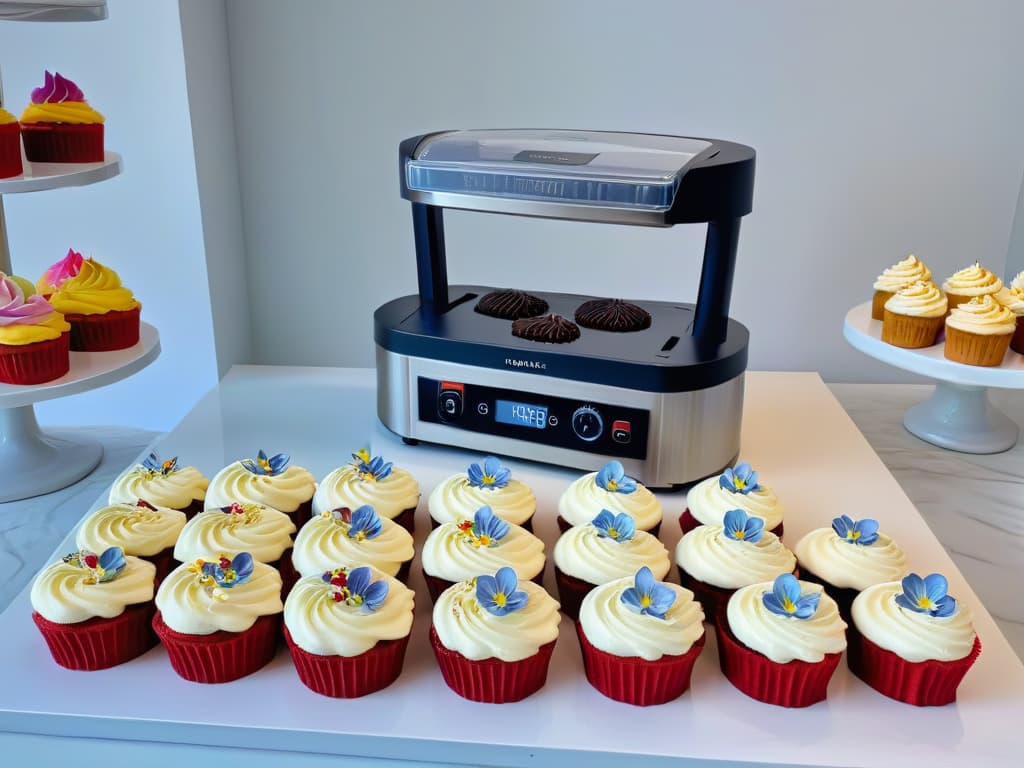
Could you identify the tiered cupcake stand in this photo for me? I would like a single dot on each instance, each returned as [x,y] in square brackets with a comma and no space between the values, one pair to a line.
[959,414]
[33,462]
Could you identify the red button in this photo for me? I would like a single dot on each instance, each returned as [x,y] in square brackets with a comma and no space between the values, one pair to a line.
[620,431]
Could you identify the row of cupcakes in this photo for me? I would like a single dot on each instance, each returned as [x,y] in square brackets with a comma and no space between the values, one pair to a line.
[981,318]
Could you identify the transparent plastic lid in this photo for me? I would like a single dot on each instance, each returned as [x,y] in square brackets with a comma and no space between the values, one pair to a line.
[615,170]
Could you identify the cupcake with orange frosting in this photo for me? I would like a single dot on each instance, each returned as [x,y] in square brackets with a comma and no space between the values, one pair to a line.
[58,126]
[10,145]
[979,332]
[33,336]
[104,315]
[905,272]
[970,282]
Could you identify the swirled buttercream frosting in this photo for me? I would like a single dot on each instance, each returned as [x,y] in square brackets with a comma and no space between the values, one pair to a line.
[918,300]
[551,329]
[708,502]
[27,320]
[903,272]
[584,498]
[974,280]
[138,530]
[325,542]
[59,100]
[285,491]
[584,553]
[612,315]
[453,554]
[982,316]
[95,290]
[850,565]
[456,499]
[708,555]
[1012,299]
[261,531]
[58,273]
[191,605]
[321,624]
[65,593]
[176,489]
[347,487]
[785,638]
[464,626]
[910,635]
[613,627]
[511,305]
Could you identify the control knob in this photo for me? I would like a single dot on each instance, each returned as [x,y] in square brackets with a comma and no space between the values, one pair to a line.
[587,423]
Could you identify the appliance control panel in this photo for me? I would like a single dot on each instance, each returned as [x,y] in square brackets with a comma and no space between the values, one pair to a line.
[603,428]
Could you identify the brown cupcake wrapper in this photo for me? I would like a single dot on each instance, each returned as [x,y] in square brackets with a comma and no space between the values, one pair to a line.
[878,304]
[976,349]
[910,332]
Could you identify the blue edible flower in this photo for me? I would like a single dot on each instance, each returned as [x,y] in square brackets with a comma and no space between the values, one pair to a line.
[488,528]
[612,477]
[153,464]
[863,532]
[927,595]
[373,469]
[364,523]
[106,566]
[743,527]
[262,465]
[362,590]
[228,572]
[498,594]
[648,596]
[490,475]
[786,600]
[739,479]
[619,528]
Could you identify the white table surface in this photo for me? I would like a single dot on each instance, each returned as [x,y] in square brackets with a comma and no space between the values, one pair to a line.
[794,431]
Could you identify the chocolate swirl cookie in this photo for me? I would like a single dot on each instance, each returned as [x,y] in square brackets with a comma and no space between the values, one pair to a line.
[511,305]
[553,329]
[612,315]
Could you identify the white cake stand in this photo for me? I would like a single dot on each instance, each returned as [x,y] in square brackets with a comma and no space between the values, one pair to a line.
[958,415]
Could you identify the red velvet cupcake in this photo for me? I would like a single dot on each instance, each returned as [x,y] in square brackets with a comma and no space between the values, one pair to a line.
[33,336]
[348,630]
[58,126]
[390,490]
[483,484]
[162,484]
[94,611]
[140,529]
[737,487]
[267,480]
[219,620]
[103,313]
[493,637]
[640,639]
[10,145]
[612,489]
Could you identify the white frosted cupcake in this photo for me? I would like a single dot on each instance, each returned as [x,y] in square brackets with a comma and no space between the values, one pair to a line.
[392,491]
[716,560]
[971,282]
[979,331]
[913,641]
[902,273]
[162,484]
[913,316]
[488,484]
[738,487]
[459,551]
[611,489]
[360,537]
[493,637]
[219,619]
[640,638]
[609,547]
[140,529]
[266,480]
[348,630]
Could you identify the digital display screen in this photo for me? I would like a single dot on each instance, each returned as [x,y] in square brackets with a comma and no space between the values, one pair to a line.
[508,412]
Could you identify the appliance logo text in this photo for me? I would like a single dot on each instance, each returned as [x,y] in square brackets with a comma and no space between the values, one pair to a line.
[516,363]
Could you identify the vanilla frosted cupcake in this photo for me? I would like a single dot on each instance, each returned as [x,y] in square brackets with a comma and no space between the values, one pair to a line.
[493,637]
[140,529]
[979,332]
[913,316]
[392,491]
[738,487]
[780,641]
[970,282]
[1018,282]
[902,273]
[1013,299]
[488,484]
[849,557]
[219,619]
[913,641]
[348,630]
[264,480]
[609,547]
[640,639]
[94,611]
[360,537]
[162,484]
[610,489]
[716,560]
[458,551]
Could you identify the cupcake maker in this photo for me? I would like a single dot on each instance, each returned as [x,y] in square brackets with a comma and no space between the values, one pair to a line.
[666,399]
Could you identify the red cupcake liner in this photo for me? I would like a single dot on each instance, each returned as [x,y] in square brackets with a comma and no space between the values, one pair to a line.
[687,522]
[222,656]
[349,677]
[527,524]
[492,681]
[1017,340]
[571,592]
[633,680]
[923,683]
[793,684]
[63,142]
[35,363]
[106,332]
[100,643]
[437,585]
[564,525]
[10,150]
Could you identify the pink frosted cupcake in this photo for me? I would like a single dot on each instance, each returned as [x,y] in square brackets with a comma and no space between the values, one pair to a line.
[60,272]
[59,126]
[34,337]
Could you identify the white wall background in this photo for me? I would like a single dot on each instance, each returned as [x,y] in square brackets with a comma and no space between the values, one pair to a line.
[881,129]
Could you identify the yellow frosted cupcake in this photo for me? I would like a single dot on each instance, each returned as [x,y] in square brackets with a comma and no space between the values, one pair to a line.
[906,272]
[1013,299]
[59,126]
[104,315]
[975,280]
[913,316]
[979,332]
